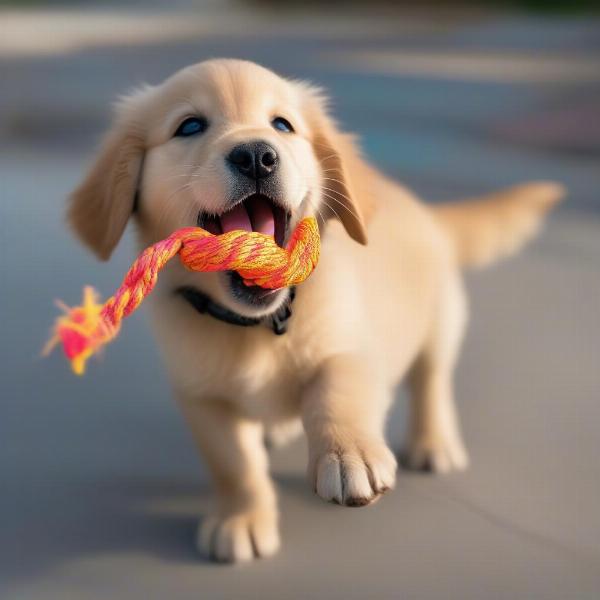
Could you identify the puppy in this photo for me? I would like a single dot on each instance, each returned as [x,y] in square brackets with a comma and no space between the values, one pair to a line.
[227,144]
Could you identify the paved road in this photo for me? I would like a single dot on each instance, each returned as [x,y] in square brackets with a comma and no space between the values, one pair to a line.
[101,488]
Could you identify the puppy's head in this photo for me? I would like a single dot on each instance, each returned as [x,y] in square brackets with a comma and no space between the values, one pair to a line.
[225,145]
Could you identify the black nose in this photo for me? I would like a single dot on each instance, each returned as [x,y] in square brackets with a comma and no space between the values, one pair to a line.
[256,160]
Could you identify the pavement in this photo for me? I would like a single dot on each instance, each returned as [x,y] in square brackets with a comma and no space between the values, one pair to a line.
[100,485]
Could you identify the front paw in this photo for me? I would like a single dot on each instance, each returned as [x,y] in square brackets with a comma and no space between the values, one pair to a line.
[352,473]
[239,537]
[436,454]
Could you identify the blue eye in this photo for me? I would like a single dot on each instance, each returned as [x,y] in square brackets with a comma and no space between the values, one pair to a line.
[192,126]
[282,124]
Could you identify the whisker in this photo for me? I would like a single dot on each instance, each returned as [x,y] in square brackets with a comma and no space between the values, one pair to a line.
[341,204]
[316,208]
[332,209]
[322,160]
[351,212]
[344,196]
[179,189]
[333,179]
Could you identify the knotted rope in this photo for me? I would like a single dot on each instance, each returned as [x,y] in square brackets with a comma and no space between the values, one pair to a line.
[84,329]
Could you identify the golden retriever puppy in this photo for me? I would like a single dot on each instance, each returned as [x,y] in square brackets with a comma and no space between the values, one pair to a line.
[227,144]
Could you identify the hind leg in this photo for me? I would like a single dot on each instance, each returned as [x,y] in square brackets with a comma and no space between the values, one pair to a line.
[434,438]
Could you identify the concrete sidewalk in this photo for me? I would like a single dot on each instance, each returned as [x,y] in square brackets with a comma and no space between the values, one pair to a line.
[101,487]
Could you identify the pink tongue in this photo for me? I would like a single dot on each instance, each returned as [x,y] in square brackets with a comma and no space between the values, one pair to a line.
[236,218]
[261,214]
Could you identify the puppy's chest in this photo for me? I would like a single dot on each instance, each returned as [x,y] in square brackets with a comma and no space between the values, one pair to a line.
[267,383]
[264,376]
[258,371]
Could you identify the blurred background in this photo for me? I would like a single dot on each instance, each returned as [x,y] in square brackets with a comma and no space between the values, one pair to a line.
[100,488]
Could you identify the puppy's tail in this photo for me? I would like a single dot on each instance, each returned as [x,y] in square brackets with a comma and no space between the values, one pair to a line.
[485,229]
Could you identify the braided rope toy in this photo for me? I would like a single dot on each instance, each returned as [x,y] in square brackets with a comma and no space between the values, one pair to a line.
[84,329]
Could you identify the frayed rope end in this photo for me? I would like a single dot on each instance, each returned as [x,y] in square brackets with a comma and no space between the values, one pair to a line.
[80,331]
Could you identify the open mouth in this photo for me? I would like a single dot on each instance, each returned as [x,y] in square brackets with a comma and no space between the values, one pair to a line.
[257,212]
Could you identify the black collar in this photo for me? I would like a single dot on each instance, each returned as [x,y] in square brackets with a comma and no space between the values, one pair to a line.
[277,322]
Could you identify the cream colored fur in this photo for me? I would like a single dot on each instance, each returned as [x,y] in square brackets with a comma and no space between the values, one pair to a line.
[385,302]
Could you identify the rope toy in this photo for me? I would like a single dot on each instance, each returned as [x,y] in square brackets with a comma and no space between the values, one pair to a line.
[84,329]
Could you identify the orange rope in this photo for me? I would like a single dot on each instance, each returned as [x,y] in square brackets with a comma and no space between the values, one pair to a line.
[83,330]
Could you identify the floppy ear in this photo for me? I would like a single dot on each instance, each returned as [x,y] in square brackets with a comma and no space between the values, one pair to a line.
[100,207]
[346,177]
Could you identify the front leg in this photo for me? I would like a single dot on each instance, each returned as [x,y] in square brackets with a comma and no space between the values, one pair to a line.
[343,411]
[245,524]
